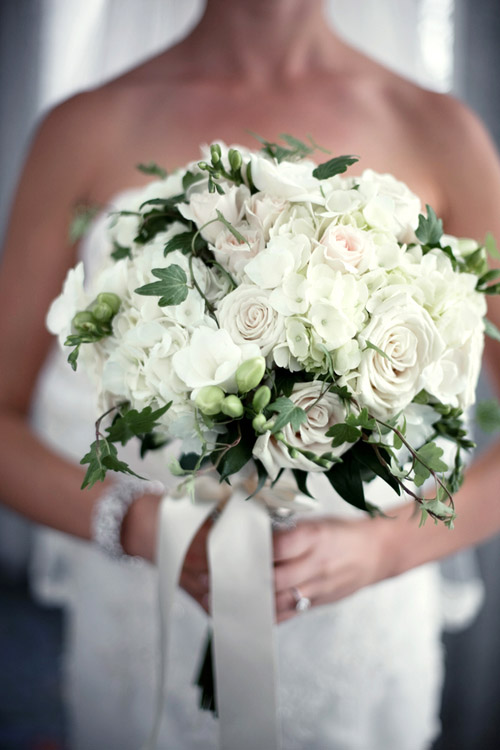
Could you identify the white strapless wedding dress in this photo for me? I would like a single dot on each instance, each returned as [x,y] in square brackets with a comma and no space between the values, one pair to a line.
[363,674]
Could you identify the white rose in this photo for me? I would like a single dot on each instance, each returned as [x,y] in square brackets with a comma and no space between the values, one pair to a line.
[291,180]
[248,316]
[294,220]
[406,334]
[203,207]
[211,358]
[262,211]
[311,435]
[234,255]
[345,248]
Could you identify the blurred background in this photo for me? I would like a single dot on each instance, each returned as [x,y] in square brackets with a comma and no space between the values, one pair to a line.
[50,49]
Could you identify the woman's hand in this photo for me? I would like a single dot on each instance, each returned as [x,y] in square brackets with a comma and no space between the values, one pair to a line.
[325,560]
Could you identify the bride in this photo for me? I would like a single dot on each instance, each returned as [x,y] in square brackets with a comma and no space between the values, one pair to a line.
[363,669]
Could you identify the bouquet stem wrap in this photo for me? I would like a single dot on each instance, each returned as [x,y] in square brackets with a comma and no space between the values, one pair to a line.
[240,561]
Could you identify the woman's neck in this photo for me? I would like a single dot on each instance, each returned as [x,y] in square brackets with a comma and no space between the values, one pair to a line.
[262,41]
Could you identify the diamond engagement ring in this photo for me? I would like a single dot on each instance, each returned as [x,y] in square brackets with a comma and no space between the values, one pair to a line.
[302,603]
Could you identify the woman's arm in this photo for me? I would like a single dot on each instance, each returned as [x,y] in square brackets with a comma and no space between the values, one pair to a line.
[57,175]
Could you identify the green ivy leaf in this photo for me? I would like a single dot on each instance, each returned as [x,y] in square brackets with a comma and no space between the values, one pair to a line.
[366,455]
[343,433]
[235,459]
[287,413]
[362,419]
[135,423]
[430,228]
[101,458]
[172,287]
[184,243]
[152,169]
[120,252]
[337,165]
[488,415]
[190,178]
[428,457]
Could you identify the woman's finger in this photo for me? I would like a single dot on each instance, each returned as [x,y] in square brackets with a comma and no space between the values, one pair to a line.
[290,543]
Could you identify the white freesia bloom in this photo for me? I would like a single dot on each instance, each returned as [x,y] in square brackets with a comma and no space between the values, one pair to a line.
[248,316]
[211,358]
[409,342]
[72,299]
[290,180]
[203,207]
[311,436]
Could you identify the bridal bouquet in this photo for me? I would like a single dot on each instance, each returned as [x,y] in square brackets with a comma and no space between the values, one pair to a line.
[267,310]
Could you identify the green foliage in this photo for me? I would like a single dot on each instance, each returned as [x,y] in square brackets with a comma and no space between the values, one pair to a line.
[370,345]
[337,165]
[287,413]
[189,179]
[186,242]
[83,217]
[475,263]
[262,476]
[488,415]
[491,330]
[343,433]
[120,252]
[301,479]
[345,478]
[152,169]
[430,229]
[231,461]
[172,287]
[101,330]
[377,461]
[101,458]
[293,151]
[237,235]
[491,246]
[164,213]
[133,423]
[427,459]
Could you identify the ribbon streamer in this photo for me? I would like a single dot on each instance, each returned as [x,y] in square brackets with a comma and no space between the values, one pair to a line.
[240,561]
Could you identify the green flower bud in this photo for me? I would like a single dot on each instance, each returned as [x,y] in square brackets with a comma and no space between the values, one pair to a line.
[258,423]
[175,468]
[323,462]
[108,298]
[250,373]
[215,153]
[101,312]
[261,398]
[232,406]
[203,165]
[84,322]
[294,453]
[209,399]
[235,159]
[279,436]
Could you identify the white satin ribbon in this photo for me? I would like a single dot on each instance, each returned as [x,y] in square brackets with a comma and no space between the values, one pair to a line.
[240,560]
